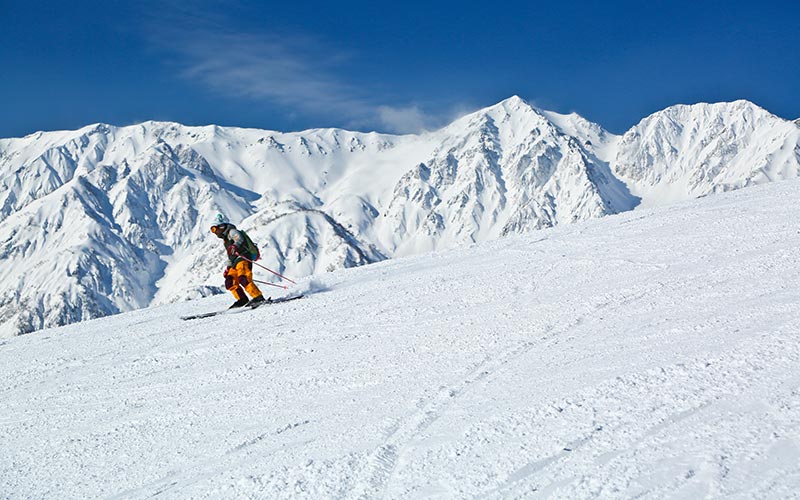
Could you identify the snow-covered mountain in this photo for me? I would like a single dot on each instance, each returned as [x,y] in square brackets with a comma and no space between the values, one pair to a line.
[685,152]
[108,219]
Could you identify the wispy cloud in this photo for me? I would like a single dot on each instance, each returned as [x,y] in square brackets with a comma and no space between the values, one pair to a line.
[404,119]
[297,72]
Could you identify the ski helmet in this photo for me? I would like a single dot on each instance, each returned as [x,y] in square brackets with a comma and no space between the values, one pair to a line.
[220,221]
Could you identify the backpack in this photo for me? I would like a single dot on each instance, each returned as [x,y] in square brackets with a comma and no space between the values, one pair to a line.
[250,247]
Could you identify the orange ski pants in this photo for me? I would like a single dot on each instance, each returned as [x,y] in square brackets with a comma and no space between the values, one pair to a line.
[240,278]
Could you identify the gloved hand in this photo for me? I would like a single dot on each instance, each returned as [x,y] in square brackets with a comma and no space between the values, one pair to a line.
[232,250]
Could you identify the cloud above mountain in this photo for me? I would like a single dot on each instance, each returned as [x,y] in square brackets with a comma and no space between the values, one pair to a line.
[297,71]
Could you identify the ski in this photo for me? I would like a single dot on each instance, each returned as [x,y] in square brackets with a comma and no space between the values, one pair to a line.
[269,301]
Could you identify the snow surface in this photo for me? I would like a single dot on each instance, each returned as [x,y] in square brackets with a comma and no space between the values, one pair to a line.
[652,354]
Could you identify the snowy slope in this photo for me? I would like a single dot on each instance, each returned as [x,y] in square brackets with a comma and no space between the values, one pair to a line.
[108,219]
[652,354]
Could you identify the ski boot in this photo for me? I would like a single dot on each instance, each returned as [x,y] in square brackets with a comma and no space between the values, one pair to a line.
[239,303]
[257,301]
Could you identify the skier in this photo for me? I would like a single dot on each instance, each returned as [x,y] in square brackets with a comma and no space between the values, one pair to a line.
[239,273]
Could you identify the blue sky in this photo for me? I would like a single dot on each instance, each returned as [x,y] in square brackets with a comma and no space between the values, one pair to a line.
[392,67]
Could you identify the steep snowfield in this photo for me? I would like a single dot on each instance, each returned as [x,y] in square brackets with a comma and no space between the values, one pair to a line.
[653,354]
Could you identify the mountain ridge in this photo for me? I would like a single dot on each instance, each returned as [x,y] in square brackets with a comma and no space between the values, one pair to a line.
[140,197]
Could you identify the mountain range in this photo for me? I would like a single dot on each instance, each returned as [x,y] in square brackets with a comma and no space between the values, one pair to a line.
[108,219]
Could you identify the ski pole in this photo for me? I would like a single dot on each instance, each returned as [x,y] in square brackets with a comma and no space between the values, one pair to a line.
[271,284]
[265,267]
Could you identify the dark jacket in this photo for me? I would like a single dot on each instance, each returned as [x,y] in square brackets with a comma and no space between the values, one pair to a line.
[238,245]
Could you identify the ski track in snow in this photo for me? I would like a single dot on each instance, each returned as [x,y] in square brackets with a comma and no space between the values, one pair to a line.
[654,354]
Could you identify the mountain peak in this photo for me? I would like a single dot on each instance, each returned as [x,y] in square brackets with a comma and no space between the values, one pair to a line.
[513,105]
[513,108]
[740,113]
[740,105]
[513,101]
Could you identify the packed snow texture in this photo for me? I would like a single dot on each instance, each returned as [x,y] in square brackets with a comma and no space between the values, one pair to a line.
[108,219]
[652,354]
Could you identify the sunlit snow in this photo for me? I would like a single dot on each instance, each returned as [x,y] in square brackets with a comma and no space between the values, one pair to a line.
[652,354]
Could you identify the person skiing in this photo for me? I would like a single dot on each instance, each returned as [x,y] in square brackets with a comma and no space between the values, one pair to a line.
[239,274]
